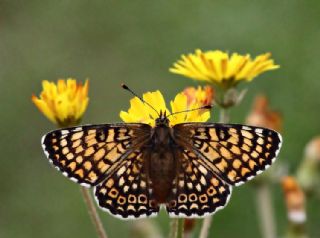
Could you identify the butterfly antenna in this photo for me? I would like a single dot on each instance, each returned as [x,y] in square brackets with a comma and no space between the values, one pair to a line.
[208,107]
[141,99]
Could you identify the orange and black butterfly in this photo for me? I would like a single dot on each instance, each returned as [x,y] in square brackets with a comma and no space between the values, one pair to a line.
[190,168]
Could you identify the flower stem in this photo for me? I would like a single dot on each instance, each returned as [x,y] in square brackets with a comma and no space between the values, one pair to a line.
[93,213]
[265,210]
[145,228]
[173,227]
[205,227]
[223,118]
[180,228]
[177,225]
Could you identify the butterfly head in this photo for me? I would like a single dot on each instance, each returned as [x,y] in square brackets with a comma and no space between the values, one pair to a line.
[162,120]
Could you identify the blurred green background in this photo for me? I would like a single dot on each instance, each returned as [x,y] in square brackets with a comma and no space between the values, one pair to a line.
[111,42]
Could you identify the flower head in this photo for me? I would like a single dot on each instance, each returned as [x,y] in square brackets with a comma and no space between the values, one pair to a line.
[63,103]
[221,68]
[295,200]
[203,96]
[262,115]
[312,150]
[308,172]
[143,113]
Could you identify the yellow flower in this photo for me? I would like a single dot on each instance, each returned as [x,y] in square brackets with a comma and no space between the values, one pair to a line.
[63,103]
[141,112]
[221,68]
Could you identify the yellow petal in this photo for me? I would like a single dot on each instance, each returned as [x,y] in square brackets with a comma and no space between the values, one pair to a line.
[43,107]
[221,68]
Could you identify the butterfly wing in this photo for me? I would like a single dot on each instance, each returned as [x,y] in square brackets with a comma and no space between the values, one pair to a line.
[127,193]
[236,153]
[197,190]
[87,154]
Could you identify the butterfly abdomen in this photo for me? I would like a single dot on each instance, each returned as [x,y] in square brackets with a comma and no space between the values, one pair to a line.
[161,164]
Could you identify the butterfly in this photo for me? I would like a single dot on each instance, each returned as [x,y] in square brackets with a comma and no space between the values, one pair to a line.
[189,168]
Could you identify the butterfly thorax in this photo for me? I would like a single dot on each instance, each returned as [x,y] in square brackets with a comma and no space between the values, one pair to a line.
[161,163]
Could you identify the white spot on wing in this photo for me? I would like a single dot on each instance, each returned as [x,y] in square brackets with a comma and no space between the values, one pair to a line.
[44,146]
[85,185]
[73,179]
[77,129]
[239,183]
[121,170]
[43,138]
[64,132]
[259,172]
[258,130]
[47,154]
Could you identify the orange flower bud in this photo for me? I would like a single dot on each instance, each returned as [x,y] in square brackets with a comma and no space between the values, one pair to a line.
[295,200]
[262,115]
[198,95]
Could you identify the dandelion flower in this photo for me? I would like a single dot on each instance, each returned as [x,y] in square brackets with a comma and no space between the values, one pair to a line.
[223,69]
[63,103]
[143,113]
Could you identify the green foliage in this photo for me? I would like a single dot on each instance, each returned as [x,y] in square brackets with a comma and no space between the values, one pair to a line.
[111,42]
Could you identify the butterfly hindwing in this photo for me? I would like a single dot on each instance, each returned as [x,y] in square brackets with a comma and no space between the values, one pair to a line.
[127,192]
[197,191]
[87,153]
[234,152]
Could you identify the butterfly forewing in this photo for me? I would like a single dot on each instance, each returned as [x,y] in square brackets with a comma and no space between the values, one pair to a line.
[127,193]
[197,191]
[236,153]
[86,154]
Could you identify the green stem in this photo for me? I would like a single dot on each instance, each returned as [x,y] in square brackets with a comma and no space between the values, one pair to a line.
[180,228]
[93,213]
[177,225]
[95,218]
[265,210]
[145,228]
[206,224]
[224,116]
[173,227]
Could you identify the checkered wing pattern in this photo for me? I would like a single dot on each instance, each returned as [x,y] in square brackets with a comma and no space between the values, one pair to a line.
[127,193]
[197,191]
[87,154]
[236,153]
